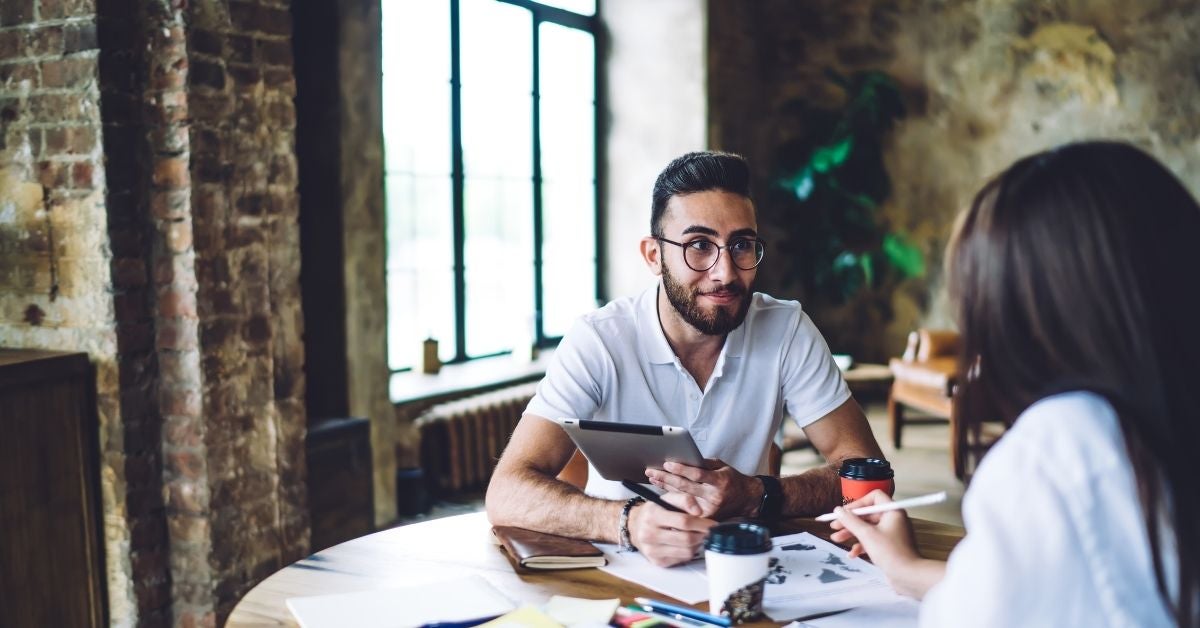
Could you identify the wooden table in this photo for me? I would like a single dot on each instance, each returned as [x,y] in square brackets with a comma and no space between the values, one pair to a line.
[455,547]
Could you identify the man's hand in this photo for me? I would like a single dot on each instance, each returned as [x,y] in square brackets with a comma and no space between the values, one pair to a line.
[666,538]
[717,492]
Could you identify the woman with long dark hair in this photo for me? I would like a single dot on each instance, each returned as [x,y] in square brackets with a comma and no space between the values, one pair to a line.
[1076,275]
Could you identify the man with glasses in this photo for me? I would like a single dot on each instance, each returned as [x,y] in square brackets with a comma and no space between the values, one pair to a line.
[699,350]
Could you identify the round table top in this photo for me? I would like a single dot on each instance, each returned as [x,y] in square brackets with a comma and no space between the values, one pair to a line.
[454,547]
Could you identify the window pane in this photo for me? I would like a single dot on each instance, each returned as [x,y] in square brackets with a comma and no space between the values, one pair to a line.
[420,275]
[416,87]
[497,123]
[586,7]
[499,264]
[568,168]
[416,133]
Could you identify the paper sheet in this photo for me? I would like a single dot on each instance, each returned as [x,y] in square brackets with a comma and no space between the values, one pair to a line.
[902,613]
[811,576]
[686,583]
[574,611]
[808,576]
[455,600]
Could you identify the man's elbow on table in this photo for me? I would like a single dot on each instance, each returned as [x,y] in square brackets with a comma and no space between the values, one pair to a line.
[536,448]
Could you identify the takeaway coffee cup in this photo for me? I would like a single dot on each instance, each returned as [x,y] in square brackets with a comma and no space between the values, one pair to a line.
[736,557]
[860,476]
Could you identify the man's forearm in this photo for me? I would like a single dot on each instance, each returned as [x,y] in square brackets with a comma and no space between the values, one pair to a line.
[528,499]
[814,492]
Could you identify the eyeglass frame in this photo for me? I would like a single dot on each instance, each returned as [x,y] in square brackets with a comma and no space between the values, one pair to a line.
[717,258]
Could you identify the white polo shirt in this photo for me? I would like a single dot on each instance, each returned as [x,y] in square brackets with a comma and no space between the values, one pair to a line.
[615,365]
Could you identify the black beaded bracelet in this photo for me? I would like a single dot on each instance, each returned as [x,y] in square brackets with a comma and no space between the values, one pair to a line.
[623,524]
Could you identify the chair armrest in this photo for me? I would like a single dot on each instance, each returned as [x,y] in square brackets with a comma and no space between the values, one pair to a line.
[938,374]
[934,343]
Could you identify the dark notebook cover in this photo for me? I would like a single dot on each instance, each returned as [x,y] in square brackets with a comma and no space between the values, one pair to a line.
[537,550]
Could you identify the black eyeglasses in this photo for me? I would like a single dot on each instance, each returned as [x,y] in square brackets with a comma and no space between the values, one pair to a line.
[702,254]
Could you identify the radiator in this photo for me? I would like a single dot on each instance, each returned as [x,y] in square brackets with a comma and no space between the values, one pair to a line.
[461,440]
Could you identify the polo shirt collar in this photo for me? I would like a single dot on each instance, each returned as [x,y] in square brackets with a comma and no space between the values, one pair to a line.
[650,332]
[654,341]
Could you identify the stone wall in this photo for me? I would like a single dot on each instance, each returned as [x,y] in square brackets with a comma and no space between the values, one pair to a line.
[984,83]
[655,112]
[360,136]
[148,216]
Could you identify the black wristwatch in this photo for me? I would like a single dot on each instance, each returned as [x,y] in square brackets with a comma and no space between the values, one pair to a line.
[771,505]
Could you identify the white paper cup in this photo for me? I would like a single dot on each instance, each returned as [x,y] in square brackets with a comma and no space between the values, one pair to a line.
[736,558]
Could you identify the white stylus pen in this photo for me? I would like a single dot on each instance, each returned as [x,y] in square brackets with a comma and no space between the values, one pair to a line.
[924,500]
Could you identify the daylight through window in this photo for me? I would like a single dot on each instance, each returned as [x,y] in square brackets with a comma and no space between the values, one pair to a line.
[489,115]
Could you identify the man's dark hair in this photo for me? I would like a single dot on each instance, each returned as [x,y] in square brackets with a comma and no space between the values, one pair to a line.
[698,172]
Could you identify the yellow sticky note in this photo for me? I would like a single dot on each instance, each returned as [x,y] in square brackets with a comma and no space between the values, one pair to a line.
[527,616]
[573,610]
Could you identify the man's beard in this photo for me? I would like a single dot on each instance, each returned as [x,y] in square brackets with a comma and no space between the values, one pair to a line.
[719,321]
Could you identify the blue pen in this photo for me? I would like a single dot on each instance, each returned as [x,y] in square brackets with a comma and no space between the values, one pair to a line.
[464,623]
[686,611]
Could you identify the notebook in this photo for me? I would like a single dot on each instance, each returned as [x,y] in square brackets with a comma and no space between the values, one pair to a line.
[537,550]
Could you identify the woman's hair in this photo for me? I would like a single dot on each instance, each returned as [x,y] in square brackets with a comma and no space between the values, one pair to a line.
[1076,269]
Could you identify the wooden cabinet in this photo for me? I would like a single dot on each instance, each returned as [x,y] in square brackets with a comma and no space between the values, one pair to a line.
[51,570]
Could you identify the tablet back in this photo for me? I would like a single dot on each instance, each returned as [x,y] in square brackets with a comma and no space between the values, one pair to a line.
[623,451]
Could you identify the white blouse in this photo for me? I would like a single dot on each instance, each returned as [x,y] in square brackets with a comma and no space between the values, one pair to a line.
[1055,529]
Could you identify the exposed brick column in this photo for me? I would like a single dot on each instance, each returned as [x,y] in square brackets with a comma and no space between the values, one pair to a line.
[123,72]
[244,208]
[177,342]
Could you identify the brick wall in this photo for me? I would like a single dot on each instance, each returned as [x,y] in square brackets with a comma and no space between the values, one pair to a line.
[122,71]
[56,267]
[245,211]
[148,216]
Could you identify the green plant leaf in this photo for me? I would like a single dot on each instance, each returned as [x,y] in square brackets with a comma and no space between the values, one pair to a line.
[903,256]
[845,261]
[826,158]
[833,182]
[803,185]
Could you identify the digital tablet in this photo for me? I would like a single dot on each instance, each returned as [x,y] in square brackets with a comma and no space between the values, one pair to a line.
[623,451]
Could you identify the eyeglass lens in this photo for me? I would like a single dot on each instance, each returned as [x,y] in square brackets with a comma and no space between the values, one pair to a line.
[701,255]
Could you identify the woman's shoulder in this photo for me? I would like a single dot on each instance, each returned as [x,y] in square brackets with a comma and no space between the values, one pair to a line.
[1074,434]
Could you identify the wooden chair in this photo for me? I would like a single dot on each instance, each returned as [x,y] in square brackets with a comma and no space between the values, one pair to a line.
[924,379]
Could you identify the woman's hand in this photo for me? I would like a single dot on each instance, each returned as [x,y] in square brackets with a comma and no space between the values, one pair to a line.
[888,539]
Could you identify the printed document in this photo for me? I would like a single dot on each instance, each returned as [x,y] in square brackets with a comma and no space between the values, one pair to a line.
[807,575]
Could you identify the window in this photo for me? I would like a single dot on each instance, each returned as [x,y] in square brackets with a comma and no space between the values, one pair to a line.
[489,116]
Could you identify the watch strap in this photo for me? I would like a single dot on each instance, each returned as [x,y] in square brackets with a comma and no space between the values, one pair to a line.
[771,506]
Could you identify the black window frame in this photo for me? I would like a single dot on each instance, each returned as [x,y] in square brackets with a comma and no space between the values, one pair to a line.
[539,13]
